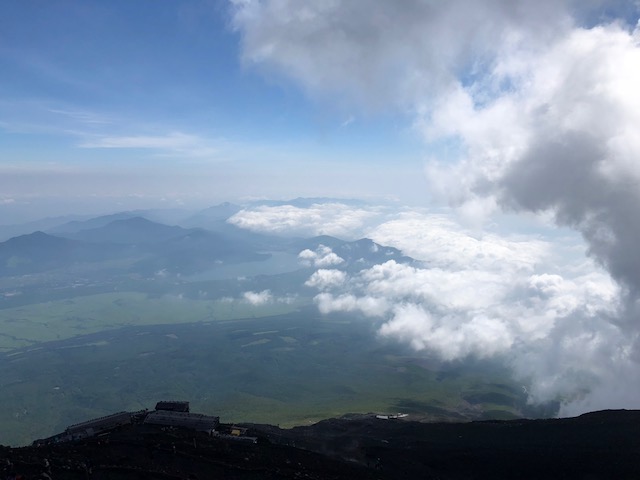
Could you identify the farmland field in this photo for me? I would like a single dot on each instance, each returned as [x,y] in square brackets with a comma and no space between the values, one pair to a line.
[62,319]
[286,369]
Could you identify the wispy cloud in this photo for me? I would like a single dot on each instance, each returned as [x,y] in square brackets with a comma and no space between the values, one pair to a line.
[37,116]
[83,116]
[174,140]
[171,144]
[348,121]
[99,130]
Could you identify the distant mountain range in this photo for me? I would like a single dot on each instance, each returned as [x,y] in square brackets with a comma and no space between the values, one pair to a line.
[135,244]
[133,230]
[306,202]
[357,255]
[148,246]
[211,218]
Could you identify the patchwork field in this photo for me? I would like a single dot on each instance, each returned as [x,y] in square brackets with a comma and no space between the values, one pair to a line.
[31,324]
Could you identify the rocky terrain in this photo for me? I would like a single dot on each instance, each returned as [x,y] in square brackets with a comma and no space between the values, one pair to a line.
[599,445]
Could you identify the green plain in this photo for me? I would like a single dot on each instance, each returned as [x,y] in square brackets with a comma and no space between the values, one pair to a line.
[62,319]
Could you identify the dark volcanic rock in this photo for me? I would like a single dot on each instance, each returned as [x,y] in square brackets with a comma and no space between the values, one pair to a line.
[143,451]
[600,445]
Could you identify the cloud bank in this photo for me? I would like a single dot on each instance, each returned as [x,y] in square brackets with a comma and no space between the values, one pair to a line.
[336,219]
[548,316]
[538,106]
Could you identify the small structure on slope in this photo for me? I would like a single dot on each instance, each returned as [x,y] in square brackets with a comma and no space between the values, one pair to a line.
[193,421]
[173,406]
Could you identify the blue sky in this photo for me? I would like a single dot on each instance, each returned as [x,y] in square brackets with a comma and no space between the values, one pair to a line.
[137,104]
[147,95]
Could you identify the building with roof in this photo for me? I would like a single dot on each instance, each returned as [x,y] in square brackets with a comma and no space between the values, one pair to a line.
[193,421]
[173,406]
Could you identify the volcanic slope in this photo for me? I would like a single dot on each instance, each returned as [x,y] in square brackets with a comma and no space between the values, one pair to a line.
[600,445]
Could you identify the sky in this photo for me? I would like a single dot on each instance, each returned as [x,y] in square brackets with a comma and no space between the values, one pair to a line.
[502,132]
[150,104]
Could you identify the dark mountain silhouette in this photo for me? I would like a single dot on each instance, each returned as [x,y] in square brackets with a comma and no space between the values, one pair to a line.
[148,247]
[599,445]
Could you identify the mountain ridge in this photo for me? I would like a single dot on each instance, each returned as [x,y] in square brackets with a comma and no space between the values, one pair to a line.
[596,445]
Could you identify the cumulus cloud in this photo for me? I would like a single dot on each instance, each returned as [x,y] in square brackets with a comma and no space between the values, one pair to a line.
[323,256]
[564,140]
[440,241]
[548,316]
[335,219]
[324,279]
[447,336]
[258,298]
[539,102]
[553,331]
[369,305]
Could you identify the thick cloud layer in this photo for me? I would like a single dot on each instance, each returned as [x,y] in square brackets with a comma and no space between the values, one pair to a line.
[546,315]
[381,52]
[539,102]
[564,140]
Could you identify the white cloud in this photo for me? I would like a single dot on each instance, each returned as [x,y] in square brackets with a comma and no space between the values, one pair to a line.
[174,143]
[541,115]
[370,306]
[564,140]
[382,53]
[324,279]
[438,240]
[323,256]
[447,336]
[258,298]
[545,314]
[335,219]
